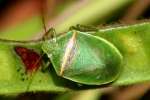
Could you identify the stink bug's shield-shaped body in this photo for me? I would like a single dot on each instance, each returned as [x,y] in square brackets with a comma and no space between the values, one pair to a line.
[84,58]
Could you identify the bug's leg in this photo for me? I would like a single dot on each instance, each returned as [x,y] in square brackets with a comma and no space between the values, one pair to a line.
[46,63]
[84,28]
[51,33]
[46,66]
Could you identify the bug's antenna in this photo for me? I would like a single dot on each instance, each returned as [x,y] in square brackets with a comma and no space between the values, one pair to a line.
[42,12]
[50,33]
[43,19]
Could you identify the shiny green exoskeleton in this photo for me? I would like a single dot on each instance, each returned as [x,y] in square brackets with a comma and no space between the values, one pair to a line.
[84,58]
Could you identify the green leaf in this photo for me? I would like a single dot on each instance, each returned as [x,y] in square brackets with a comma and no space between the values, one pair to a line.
[132,41]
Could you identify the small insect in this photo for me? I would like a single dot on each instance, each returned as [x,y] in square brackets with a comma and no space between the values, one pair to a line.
[84,58]
[77,56]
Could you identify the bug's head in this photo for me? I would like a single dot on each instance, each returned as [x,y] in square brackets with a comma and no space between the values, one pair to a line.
[49,47]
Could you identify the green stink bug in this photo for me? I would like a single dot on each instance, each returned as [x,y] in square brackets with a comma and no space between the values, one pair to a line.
[84,58]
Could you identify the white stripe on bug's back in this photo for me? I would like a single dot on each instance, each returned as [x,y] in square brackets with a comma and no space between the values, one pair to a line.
[69,53]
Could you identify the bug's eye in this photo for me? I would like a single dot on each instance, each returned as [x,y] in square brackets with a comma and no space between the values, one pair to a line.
[85,58]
